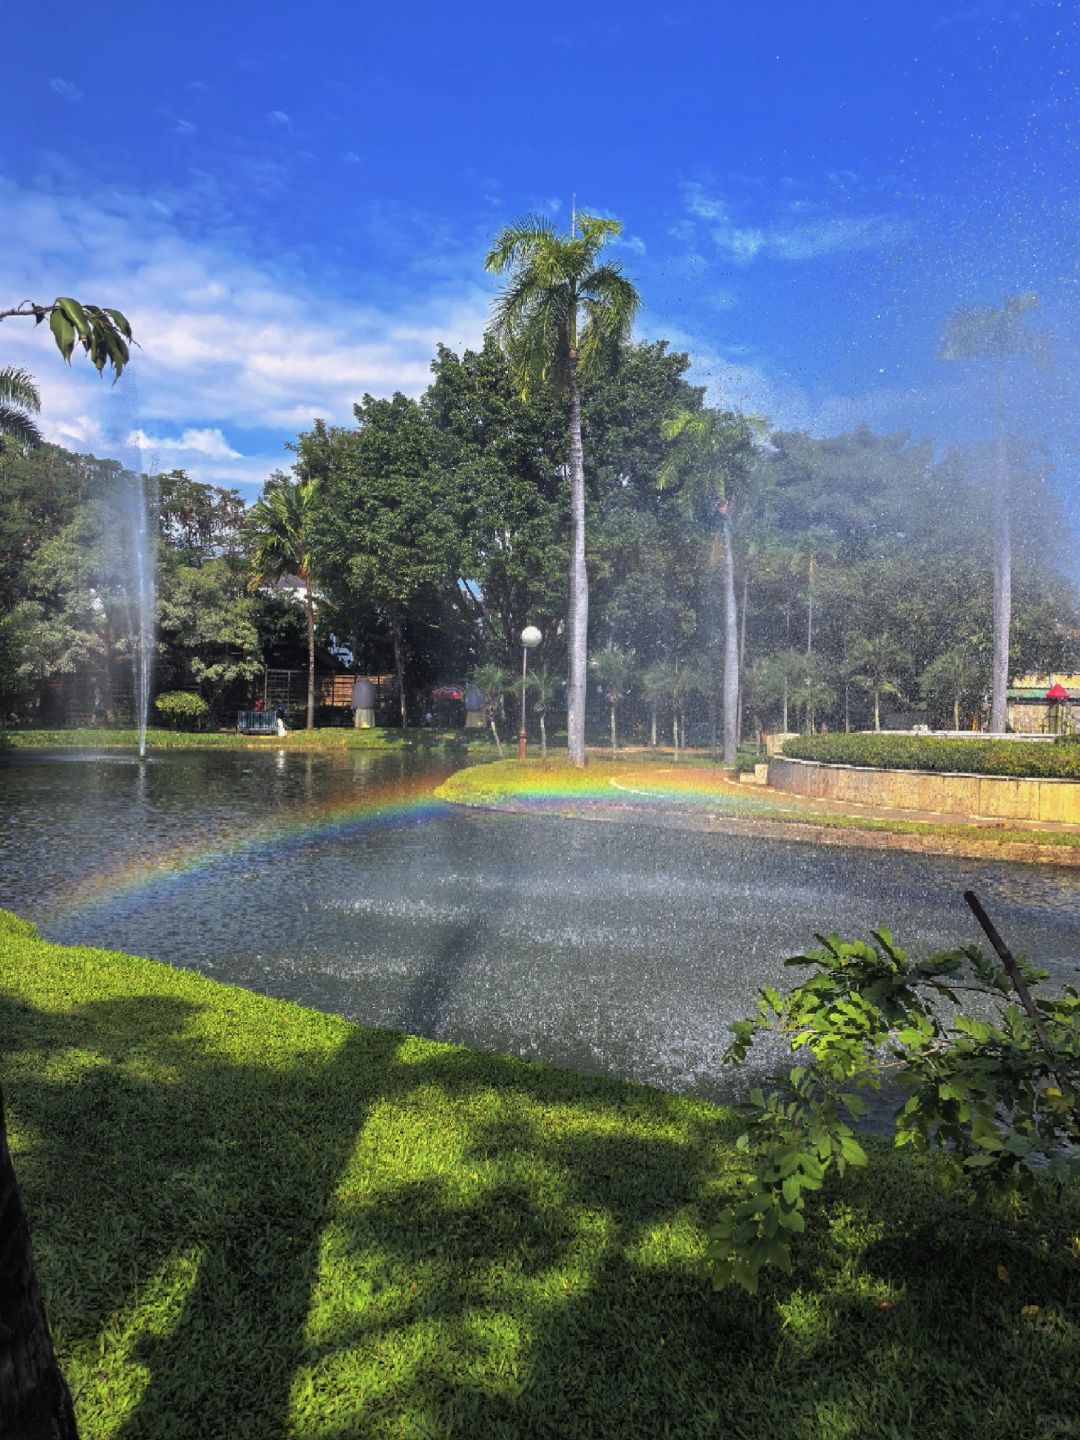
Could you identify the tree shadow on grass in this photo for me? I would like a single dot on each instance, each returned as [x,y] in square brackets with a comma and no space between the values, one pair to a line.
[156,1163]
[348,1233]
[560,1298]
[226,1250]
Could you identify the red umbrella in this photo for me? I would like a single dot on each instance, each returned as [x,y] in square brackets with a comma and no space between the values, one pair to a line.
[448,692]
[1057,692]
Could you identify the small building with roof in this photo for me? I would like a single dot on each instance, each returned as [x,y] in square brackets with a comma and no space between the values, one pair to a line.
[1045,704]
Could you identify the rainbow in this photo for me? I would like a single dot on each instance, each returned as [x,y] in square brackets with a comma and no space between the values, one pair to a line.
[388,805]
[539,787]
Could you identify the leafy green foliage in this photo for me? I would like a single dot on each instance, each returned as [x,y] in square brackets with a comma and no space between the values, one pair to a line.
[1033,758]
[181,709]
[103,333]
[994,1094]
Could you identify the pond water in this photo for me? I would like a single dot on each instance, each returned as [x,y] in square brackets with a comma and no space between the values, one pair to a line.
[339,882]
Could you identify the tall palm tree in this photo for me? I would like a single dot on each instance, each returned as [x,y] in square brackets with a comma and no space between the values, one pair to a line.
[544,688]
[280,524]
[878,662]
[19,398]
[655,687]
[561,316]
[997,335]
[493,683]
[613,669]
[708,456]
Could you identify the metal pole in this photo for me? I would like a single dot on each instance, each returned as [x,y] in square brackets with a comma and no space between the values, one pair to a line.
[521,729]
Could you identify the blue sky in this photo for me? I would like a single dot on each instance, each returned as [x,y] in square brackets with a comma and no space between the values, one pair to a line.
[292,203]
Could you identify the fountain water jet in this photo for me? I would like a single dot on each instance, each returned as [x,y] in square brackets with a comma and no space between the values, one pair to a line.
[137,507]
[139,517]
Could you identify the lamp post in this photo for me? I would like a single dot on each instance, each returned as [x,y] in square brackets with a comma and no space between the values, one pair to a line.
[530,638]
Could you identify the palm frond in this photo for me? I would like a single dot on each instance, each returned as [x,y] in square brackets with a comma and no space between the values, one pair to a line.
[610,302]
[17,387]
[517,242]
[597,230]
[536,318]
[16,425]
[278,524]
[986,332]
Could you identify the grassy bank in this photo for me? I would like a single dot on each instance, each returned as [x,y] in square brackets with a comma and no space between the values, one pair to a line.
[254,1220]
[611,783]
[1034,759]
[338,737]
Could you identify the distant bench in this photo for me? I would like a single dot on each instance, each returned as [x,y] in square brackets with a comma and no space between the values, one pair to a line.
[256,722]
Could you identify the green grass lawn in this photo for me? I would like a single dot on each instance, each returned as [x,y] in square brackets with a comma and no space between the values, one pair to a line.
[508,782]
[335,737]
[253,1220]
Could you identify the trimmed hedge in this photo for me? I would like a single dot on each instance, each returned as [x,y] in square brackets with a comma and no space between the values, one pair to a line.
[1032,759]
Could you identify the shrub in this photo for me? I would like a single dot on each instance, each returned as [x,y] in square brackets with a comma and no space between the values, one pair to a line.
[998,1096]
[181,710]
[1032,758]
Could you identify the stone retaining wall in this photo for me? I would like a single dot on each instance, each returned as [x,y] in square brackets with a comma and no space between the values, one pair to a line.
[991,797]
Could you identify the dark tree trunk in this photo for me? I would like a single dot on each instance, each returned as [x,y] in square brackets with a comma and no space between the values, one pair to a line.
[34,1400]
[742,654]
[310,650]
[810,607]
[399,662]
[579,583]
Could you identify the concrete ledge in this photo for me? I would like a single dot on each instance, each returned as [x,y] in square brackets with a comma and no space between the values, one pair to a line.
[987,797]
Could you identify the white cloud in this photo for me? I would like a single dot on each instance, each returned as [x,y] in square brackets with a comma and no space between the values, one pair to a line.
[228,342]
[352,158]
[806,231]
[65,89]
[183,127]
[209,442]
[633,243]
[280,119]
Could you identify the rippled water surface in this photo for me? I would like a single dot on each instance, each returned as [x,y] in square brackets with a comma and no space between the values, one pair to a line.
[338,882]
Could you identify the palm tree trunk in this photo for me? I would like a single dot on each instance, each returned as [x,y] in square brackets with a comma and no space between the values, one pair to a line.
[956,712]
[498,742]
[543,737]
[742,654]
[1002,565]
[579,583]
[877,708]
[785,720]
[310,650]
[399,662]
[731,647]
[652,729]
[614,741]
[810,607]
[34,1400]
